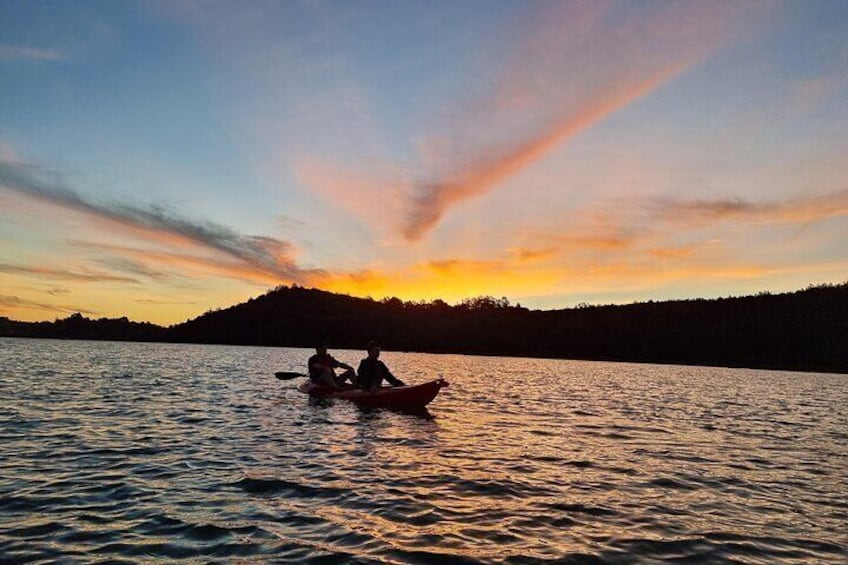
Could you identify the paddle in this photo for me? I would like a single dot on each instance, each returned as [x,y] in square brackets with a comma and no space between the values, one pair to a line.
[288,375]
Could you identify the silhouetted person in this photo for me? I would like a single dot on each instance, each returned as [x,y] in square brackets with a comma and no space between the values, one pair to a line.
[322,368]
[372,371]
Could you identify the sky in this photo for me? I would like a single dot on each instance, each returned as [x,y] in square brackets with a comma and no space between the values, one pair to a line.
[160,159]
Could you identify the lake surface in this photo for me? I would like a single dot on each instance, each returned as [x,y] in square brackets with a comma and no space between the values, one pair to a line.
[128,452]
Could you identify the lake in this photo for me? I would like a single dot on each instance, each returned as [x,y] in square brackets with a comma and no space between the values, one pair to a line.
[128,452]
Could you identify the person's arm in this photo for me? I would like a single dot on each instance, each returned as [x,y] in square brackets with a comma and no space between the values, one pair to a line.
[393,380]
[338,364]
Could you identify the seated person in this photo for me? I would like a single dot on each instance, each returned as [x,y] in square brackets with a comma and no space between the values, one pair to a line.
[372,371]
[322,369]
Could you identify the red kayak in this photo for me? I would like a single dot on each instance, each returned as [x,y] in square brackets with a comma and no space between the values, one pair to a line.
[412,397]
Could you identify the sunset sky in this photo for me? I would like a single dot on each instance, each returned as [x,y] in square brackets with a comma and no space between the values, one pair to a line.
[158,159]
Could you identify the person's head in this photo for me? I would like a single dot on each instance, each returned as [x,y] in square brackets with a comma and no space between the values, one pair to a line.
[373,349]
[321,348]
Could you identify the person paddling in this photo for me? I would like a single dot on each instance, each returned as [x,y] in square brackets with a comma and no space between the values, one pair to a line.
[322,369]
[372,371]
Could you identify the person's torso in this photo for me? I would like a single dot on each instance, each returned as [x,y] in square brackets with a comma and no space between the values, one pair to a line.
[373,369]
[325,360]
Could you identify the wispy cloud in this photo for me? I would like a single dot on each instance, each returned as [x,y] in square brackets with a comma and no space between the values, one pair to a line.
[456,266]
[268,255]
[188,264]
[576,64]
[621,225]
[82,275]
[58,291]
[673,253]
[155,301]
[799,210]
[20,52]
[524,255]
[432,200]
[16,302]
[9,155]
[809,95]
[369,196]
[134,268]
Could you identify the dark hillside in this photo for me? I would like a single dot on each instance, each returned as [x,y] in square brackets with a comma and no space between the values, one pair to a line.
[804,330]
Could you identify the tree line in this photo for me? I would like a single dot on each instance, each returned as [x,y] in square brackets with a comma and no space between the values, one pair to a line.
[803,330]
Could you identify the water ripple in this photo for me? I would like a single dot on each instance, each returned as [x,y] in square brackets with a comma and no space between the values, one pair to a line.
[124,453]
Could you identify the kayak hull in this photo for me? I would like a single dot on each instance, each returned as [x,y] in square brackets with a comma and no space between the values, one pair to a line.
[411,397]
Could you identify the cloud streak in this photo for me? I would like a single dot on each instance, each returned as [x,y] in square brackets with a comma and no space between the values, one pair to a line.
[85,275]
[132,267]
[268,255]
[801,210]
[624,224]
[16,302]
[434,199]
[23,53]
[154,301]
[188,263]
[575,65]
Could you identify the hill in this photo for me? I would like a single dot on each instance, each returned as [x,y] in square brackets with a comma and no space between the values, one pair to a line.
[77,326]
[803,330]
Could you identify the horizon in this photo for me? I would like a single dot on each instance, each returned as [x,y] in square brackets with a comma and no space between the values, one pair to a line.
[158,161]
[452,305]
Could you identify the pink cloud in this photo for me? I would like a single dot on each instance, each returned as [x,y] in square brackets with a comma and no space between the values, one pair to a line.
[434,199]
[572,65]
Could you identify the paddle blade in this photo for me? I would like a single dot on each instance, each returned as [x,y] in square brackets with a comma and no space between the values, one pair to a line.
[288,375]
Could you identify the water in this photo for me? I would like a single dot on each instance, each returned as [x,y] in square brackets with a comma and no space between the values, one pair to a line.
[126,452]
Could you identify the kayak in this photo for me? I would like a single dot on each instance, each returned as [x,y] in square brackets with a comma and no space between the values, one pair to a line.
[410,397]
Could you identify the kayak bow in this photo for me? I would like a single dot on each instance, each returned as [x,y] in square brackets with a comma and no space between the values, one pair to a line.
[410,397]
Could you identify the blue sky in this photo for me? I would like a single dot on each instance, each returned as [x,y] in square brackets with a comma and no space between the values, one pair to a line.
[158,159]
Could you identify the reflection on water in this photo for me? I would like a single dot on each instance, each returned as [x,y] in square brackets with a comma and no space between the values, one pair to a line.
[132,452]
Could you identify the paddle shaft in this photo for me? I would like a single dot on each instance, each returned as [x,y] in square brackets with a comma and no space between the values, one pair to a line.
[288,375]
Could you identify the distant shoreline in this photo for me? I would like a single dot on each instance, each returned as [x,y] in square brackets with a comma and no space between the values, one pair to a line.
[477,355]
[806,330]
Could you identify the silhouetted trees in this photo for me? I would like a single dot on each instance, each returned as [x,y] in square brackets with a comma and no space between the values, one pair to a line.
[77,326]
[804,330]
